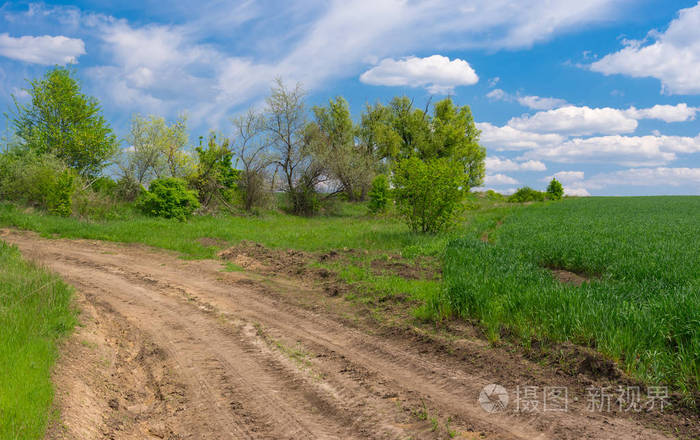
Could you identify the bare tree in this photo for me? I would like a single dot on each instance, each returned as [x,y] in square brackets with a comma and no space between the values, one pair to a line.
[291,138]
[251,147]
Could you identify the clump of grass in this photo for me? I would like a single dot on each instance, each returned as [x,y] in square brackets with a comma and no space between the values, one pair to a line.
[35,313]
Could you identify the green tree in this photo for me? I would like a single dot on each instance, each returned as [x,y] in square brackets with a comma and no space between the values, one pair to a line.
[62,121]
[428,193]
[344,161]
[215,178]
[399,131]
[555,190]
[156,150]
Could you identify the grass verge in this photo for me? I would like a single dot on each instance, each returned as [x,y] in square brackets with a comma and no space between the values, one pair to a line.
[35,312]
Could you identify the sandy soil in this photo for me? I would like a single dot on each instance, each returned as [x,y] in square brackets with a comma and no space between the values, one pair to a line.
[177,349]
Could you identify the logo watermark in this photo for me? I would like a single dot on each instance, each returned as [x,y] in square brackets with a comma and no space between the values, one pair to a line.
[495,398]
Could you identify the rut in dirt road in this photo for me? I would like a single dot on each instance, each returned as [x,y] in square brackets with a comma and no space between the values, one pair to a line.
[178,349]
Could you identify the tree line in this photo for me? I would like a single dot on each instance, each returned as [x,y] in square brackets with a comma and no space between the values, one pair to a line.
[63,155]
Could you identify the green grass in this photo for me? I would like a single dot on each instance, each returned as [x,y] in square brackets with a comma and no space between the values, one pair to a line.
[35,312]
[642,308]
[351,228]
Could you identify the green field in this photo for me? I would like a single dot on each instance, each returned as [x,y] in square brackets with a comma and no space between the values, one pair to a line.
[35,313]
[641,307]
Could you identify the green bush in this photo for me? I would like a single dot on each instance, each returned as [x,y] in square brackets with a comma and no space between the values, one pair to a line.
[526,194]
[495,196]
[379,194]
[428,193]
[555,190]
[104,185]
[37,179]
[168,198]
[59,194]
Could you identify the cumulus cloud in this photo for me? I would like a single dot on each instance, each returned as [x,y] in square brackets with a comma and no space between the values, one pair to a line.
[437,73]
[673,57]
[508,138]
[667,113]
[584,121]
[633,151]
[577,192]
[495,164]
[45,50]
[499,179]
[566,177]
[576,121]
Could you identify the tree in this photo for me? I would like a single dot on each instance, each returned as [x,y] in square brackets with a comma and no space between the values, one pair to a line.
[399,131]
[156,150]
[348,163]
[428,193]
[215,178]
[62,121]
[292,140]
[435,158]
[555,190]
[252,149]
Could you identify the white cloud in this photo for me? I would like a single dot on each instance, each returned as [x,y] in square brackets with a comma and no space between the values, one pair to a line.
[45,50]
[660,176]
[576,121]
[437,73]
[584,121]
[566,177]
[495,164]
[199,67]
[667,113]
[497,95]
[499,179]
[509,138]
[673,57]
[577,192]
[630,151]
[530,101]
[539,103]
[20,93]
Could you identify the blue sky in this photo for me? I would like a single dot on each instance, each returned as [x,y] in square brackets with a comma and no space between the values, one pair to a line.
[603,94]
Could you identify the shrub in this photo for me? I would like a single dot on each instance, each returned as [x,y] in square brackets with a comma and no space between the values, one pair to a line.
[58,194]
[526,194]
[379,194]
[168,198]
[555,190]
[495,196]
[38,179]
[127,189]
[428,194]
[303,199]
[104,185]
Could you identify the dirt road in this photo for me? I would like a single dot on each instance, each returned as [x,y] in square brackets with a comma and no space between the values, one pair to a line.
[177,349]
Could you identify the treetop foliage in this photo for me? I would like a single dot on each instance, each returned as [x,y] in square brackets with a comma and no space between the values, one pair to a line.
[63,121]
